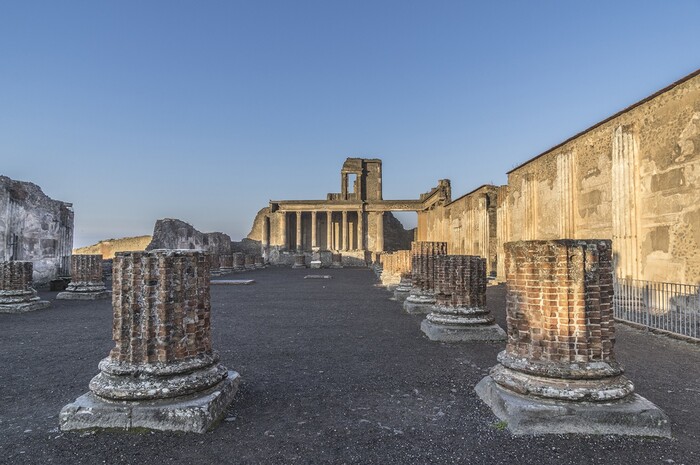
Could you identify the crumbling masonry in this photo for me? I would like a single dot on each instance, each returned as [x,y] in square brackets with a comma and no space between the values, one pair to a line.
[162,373]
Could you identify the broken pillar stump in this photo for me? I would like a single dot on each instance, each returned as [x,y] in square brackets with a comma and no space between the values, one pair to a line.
[422,296]
[16,292]
[558,373]
[162,373]
[87,279]
[336,260]
[239,261]
[460,312]
[299,261]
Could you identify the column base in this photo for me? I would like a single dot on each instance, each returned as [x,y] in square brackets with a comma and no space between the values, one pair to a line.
[527,415]
[238,269]
[23,307]
[462,333]
[195,413]
[315,264]
[419,304]
[401,293]
[68,295]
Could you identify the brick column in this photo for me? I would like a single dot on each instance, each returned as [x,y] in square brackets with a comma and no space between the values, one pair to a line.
[16,292]
[337,260]
[460,312]
[299,246]
[239,261]
[360,230]
[558,373]
[162,352]
[226,263]
[329,230]
[259,262]
[404,288]
[380,232]
[422,295]
[344,232]
[299,261]
[87,282]
[283,229]
[249,262]
[314,240]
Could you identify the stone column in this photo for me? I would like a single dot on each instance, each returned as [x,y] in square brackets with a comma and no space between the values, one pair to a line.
[380,232]
[360,230]
[226,263]
[87,282]
[249,263]
[460,312]
[404,288]
[16,292]
[259,262]
[329,230]
[283,229]
[314,241]
[239,261]
[422,296]
[299,231]
[162,373]
[558,373]
[345,230]
[337,260]
[299,261]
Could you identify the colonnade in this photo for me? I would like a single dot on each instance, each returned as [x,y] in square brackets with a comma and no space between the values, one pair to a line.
[345,230]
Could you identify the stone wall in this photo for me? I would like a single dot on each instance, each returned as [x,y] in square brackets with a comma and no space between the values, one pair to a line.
[468,225]
[632,178]
[109,247]
[35,228]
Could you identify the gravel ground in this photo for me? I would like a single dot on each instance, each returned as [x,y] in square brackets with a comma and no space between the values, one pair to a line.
[333,372]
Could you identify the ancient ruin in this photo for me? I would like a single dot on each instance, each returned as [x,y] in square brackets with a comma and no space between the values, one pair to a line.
[558,373]
[631,178]
[107,248]
[162,373]
[16,292]
[355,221]
[87,281]
[460,312]
[421,298]
[35,228]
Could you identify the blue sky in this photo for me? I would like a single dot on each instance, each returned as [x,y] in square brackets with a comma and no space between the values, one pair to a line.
[205,111]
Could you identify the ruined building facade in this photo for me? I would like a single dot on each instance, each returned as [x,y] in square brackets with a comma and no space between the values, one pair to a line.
[352,222]
[633,178]
[35,228]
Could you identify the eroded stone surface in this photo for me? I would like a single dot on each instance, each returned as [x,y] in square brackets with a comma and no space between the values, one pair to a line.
[87,281]
[16,292]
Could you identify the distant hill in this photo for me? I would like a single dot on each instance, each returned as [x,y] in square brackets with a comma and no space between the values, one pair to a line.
[108,247]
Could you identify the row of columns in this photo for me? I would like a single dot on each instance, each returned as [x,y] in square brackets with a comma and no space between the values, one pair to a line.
[345,230]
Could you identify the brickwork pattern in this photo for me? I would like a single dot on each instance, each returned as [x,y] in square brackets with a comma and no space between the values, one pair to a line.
[423,263]
[239,261]
[16,276]
[86,268]
[560,322]
[460,281]
[559,303]
[226,262]
[161,307]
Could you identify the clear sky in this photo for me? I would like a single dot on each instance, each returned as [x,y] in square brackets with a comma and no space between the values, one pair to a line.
[204,111]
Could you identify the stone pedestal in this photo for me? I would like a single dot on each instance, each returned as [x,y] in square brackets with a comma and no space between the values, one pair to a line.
[403,289]
[226,263]
[422,296]
[162,373]
[299,261]
[558,373]
[239,261]
[16,292]
[259,262]
[336,260]
[87,282]
[460,312]
[315,258]
[215,265]
[249,262]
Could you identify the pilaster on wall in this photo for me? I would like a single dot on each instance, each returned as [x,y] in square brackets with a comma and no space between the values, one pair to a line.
[625,212]
[502,231]
[566,181]
[530,204]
